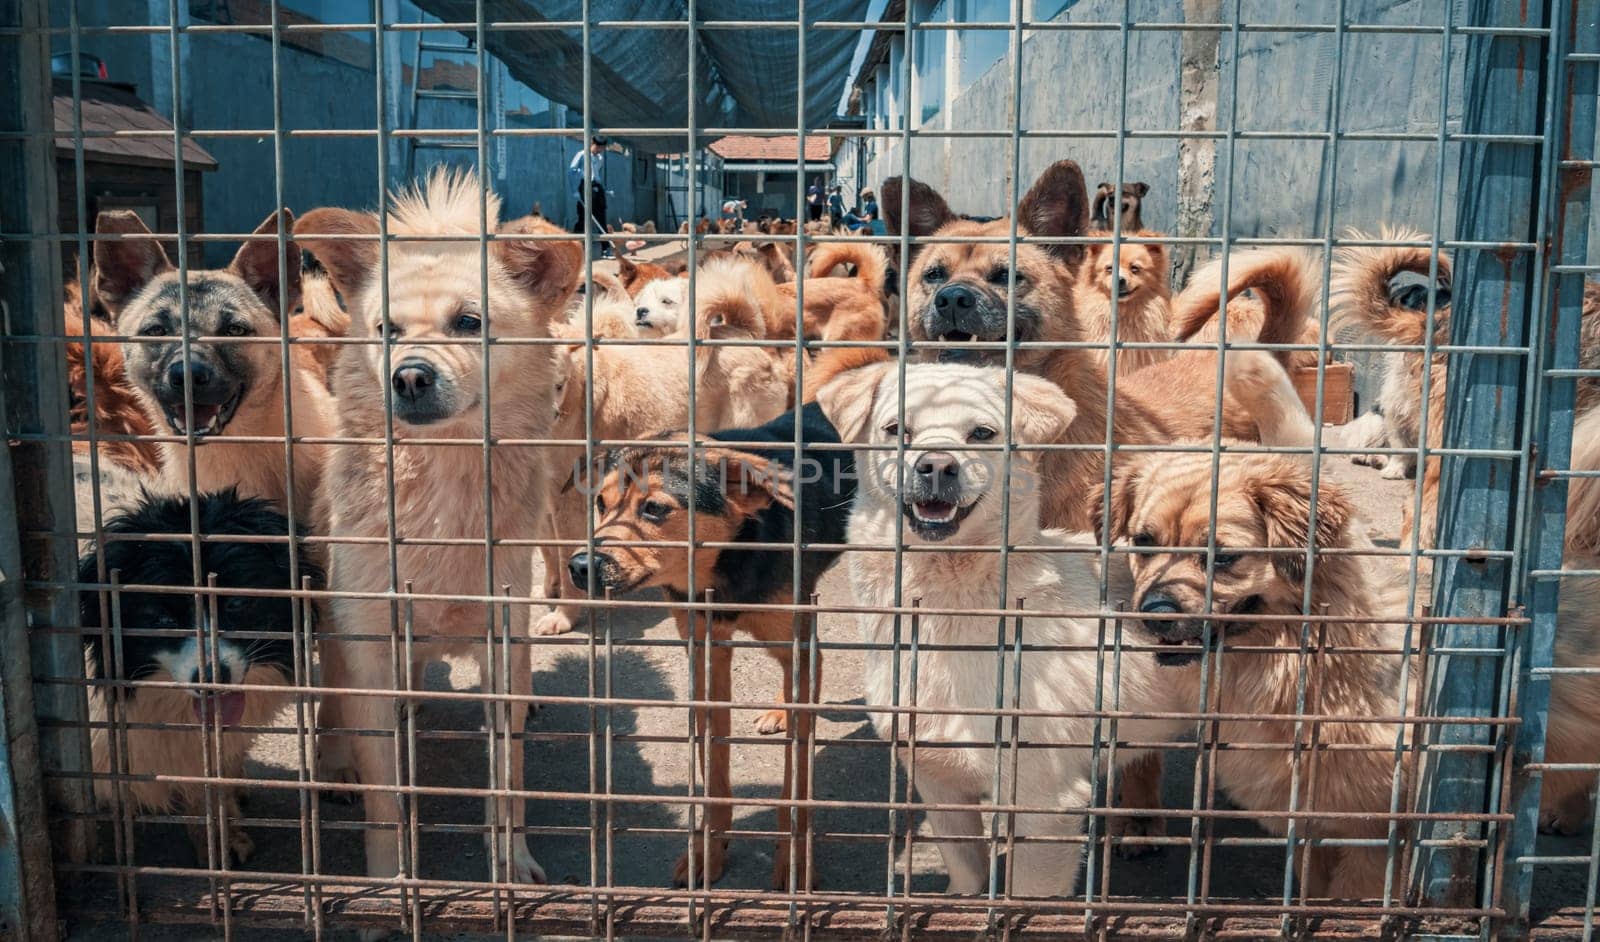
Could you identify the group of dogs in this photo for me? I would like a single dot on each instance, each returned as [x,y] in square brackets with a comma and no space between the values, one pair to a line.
[410,353]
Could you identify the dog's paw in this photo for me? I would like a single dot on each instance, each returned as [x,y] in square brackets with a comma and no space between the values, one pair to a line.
[552,623]
[240,845]
[772,722]
[1370,461]
[1137,826]
[710,860]
[1394,470]
[524,868]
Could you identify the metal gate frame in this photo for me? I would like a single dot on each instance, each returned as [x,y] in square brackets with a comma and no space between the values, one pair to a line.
[1526,170]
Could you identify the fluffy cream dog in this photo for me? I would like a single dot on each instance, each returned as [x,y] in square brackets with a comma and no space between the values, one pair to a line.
[953,490]
[435,295]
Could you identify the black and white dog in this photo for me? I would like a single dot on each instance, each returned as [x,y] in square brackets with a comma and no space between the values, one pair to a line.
[158,641]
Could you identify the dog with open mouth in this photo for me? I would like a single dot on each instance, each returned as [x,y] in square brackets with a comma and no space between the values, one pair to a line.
[225,382]
[950,489]
[745,487]
[166,637]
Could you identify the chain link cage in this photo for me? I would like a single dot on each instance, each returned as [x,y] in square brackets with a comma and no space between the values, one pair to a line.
[1209,553]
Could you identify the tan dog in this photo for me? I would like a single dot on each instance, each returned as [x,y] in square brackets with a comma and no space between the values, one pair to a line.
[1138,281]
[641,391]
[1359,296]
[956,294]
[635,275]
[232,368]
[1264,501]
[320,317]
[1106,204]
[436,375]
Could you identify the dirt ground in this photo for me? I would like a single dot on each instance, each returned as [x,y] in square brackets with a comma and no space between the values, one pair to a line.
[651,756]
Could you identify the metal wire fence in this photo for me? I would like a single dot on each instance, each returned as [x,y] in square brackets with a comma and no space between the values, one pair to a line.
[1253,691]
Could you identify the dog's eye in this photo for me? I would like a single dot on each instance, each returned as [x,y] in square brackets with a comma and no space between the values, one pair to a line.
[1109,269]
[1000,276]
[235,330]
[392,333]
[600,505]
[235,604]
[982,433]
[467,323]
[1135,269]
[1225,560]
[893,430]
[668,302]
[654,511]
[935,274]
[1144,539]
[156,329]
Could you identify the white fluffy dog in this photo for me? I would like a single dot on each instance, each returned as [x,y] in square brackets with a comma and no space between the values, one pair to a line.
[953,490]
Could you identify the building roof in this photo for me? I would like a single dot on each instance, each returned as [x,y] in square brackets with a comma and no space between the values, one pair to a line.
[819,147]
[108,109]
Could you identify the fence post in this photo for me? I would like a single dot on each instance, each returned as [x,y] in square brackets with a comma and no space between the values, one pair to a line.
[1566,177]
[1492,307]
[35,495]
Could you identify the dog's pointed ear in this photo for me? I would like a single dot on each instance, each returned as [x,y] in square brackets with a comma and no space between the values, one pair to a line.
[927,213]
[847,399]
[1141,188]
[351,263]
[1283,498]
[626,269]
[124,266]
[750,483]
[1057,206]
[548,269]
[256,263]
[1124,491]
[1040,410]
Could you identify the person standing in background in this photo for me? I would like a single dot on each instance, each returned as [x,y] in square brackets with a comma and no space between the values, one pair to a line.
[835,206]
[592,193]
[814,200]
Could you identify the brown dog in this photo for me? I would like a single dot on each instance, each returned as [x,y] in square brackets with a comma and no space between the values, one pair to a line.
[744,494]
[1133,195]
[635,275]
[956,294]
[1138,281]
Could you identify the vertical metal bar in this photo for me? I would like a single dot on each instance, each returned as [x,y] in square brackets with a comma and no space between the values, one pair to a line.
[38,479]
[1565,195]
[1491,306]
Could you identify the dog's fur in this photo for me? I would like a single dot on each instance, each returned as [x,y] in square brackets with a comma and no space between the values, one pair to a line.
[238,385]
[435,294]
[165,733]
[639,390]
[1139,281]
[635,275]
[320,317]
[1285,288]
[948,407]
[741,493]
[1133,195]
[1361,297]
[1265,501]
[660,307]
[118,410]
[1156,404]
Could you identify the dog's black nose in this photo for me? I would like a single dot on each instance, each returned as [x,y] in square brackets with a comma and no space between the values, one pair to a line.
[955,297]
[642,313]
[199,374]
[204,674]
[413,379]
[1122,285]
[1157,603]
[581,565]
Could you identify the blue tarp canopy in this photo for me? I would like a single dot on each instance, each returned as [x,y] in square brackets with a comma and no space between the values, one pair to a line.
[744,78]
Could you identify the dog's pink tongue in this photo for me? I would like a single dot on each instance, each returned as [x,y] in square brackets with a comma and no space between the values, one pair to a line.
[228,708]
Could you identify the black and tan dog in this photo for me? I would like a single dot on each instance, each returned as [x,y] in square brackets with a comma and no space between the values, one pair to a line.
[742,493]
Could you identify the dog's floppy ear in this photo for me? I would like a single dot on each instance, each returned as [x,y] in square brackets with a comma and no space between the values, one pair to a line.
[848,398]
[1124,491]
[256,263]
[1040,410]
[350,263]
[928,212]
[1058,205]
[548,269]
[1283,497]
[750,483]
[123,267]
